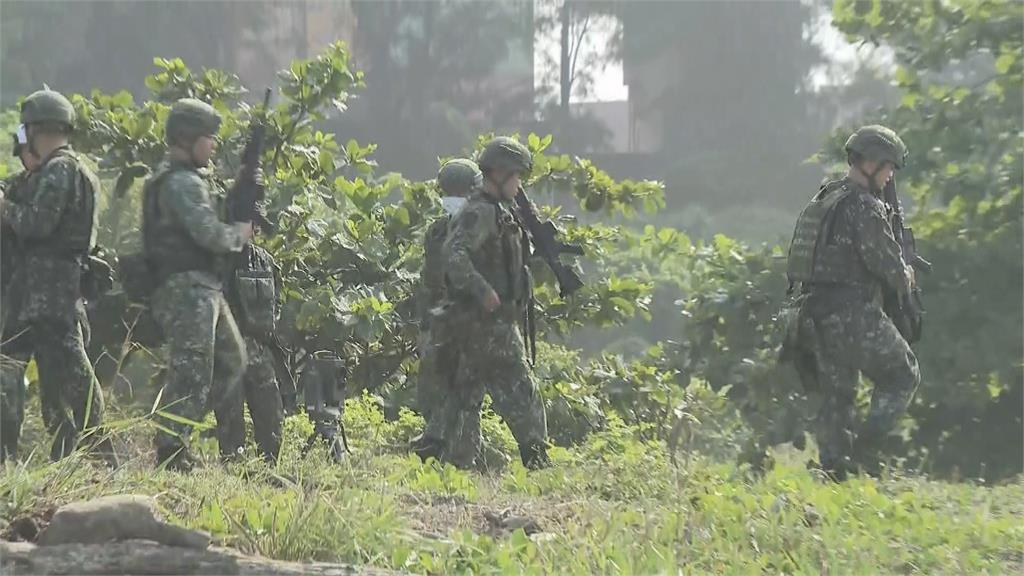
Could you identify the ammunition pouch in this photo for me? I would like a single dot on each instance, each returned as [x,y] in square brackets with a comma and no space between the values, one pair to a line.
[97,277]
[138,278]
[797,331]
[906,313]
[256,295]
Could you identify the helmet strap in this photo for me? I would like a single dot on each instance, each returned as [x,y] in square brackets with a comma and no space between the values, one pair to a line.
[500,184]
[871,177]
[30,135]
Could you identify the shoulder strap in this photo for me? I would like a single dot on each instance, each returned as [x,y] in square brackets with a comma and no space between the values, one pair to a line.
[84,189]
[151,205]
[830,215]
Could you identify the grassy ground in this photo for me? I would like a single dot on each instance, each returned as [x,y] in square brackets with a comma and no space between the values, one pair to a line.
[614,505]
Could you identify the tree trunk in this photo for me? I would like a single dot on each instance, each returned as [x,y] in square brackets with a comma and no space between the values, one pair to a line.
[145,557]
[564,72]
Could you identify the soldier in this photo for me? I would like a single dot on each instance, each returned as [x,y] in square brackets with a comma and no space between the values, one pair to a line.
[844,256]
[12,371]
[485,265]
[52,223]
[185,244]
[439,354]
[254,293]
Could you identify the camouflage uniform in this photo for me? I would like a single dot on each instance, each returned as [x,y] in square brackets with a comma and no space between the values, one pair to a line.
[485,252]
[12,372]
[439,354]
[844,255]
[54,229]
[14,361]
[438,359]
[184,243]
[254,296]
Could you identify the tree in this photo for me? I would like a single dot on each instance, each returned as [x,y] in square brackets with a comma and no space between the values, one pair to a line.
[440,72]
[588,36]
[961,112]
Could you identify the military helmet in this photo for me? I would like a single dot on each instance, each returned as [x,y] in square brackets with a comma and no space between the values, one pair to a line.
[878,143]
[459,176]
[189,119]
[507,154]
[47,106]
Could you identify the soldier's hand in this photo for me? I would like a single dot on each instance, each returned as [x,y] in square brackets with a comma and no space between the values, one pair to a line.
[911,276]
[492,301]
[245,228]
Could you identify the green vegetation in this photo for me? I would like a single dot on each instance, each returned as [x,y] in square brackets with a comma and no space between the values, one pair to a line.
[656,376]
[612,504]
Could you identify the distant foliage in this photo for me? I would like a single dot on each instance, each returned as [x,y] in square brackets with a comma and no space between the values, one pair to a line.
[350,238]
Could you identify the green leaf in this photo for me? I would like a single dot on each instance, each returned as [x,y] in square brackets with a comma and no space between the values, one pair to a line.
[1005,62]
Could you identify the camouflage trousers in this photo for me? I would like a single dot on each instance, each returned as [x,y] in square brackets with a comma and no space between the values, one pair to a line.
[847,339]
[66,381]
[260,391]
[491,359]
[206,354]
[439,361]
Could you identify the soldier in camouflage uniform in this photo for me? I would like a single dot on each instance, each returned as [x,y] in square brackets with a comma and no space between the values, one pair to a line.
[439,355]
[53,230]
[12,372]
[843,256]
[185,244]
[485,266]
[254,293]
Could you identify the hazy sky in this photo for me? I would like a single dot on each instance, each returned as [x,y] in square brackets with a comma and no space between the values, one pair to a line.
[843,57]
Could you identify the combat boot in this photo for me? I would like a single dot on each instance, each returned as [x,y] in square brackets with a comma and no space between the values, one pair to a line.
[427,447]
[867,453]
[175,457]
[65,440]
[104,450]
[534,455]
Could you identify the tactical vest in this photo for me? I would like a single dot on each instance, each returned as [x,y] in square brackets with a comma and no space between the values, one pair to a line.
[254,292]
[168,246]
[14,188]
[501,259]
[813,255]
[432,276]
[75,233]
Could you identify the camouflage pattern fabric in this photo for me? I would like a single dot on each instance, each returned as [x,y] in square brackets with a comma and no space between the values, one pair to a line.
[256,308]
[484,252]
[843,332]
[438,358]
[55,401]
[439,361]
[260,392]
[206,351]
[12,371]
[43,305]
[206,354]
[493,360]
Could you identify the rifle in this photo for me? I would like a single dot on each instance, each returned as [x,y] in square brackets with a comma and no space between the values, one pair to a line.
[544,237]
[907,311]
[245,200]
[285,380]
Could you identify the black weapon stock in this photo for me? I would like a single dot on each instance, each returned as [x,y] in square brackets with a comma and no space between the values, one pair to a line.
[904,234]
[906,312]
[545,241]
[246,198]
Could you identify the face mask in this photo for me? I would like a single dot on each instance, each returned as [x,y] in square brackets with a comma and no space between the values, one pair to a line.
[452,204]
[20,139]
